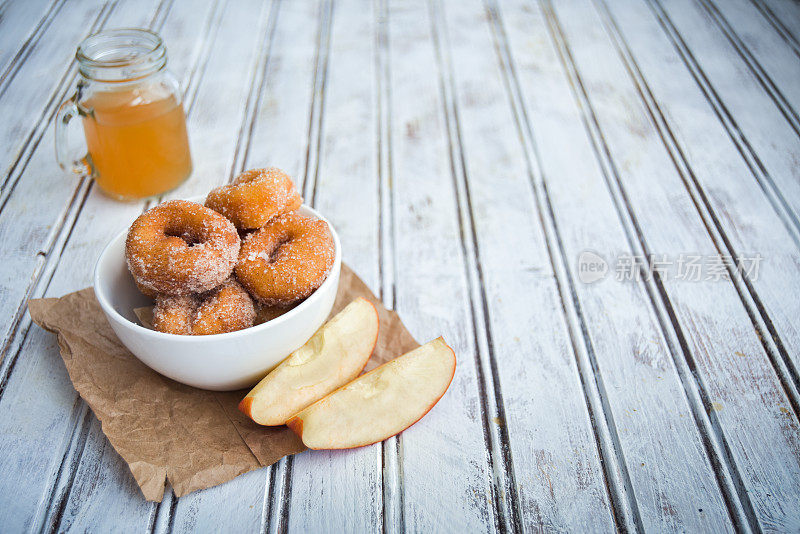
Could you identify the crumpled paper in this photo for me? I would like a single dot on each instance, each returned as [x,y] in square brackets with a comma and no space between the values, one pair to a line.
[165,430]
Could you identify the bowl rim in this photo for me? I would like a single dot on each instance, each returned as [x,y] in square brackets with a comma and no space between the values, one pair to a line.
[272,323]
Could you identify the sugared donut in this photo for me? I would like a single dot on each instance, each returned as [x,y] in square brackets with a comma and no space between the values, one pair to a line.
[255,197]
[286,260]
[173,315]
[181,247]
[225,309]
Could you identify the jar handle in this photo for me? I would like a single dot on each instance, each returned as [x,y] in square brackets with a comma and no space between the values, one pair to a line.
[65,154]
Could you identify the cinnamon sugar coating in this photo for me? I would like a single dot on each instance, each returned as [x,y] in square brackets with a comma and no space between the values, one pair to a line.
[225,309]
[173,315]
[286,260]
[181,247]
[255,197]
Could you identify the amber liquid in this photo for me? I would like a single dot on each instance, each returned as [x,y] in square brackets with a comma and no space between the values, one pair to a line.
[137,143]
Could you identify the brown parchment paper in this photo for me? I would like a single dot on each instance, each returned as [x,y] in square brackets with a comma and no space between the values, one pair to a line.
[165,430]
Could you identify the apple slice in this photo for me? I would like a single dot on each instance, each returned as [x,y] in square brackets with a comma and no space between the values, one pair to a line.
[381,403]
[334,356]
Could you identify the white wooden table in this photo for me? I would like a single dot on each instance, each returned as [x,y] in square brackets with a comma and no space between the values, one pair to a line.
[468,153]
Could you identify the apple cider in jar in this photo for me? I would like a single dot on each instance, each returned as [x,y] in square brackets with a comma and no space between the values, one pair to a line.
[137,143]
[132,115]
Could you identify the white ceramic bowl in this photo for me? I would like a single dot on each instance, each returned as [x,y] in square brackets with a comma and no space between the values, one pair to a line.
[221,362]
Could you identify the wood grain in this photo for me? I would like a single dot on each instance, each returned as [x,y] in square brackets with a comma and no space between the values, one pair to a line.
[467,153]
[659,409]
[513,273]
[774,65]
[431,293]
[784,16]
[642,176]
[770,140]
[734,210]
[22,24]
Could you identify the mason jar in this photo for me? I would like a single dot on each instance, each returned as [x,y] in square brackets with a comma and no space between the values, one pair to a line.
[136,144]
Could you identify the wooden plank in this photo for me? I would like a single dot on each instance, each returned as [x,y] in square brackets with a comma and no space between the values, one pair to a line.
[343,185]
[37,424]
[766,181]
[442,467]
[742,393]
[660,411]
[717,178]
[91,234]
[88,503]
[30,94]
[25,118]
[561,464]
[236,506]
[21,26]
[784,15]
[278,133]
[220,107]
[765,53]
[753,117]
[392,473]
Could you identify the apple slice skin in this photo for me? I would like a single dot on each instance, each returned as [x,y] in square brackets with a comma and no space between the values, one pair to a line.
[296,423]
[246,404]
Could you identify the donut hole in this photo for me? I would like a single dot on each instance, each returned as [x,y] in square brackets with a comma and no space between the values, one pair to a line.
[252,175]
[280,247]
[186,234]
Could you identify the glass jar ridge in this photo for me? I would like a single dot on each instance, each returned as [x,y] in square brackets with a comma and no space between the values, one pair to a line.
[121,55]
